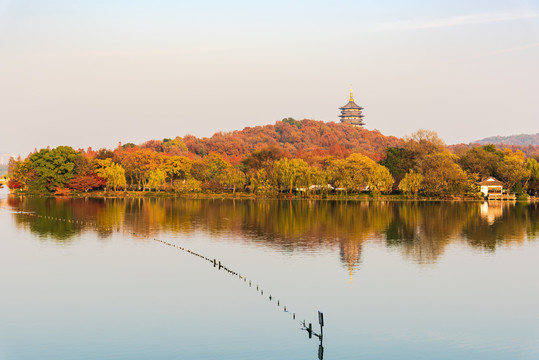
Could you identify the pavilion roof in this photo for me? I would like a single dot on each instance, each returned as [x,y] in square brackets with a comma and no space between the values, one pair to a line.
[490,181]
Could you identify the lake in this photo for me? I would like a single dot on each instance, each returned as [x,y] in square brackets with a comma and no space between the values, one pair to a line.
[135,279]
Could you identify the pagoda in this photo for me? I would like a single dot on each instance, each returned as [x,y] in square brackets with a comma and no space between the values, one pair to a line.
[351,112]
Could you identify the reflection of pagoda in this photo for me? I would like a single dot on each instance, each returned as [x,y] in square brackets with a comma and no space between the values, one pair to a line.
[351,255]
[351,112]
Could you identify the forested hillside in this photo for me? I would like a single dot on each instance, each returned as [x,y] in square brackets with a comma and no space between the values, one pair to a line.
[306,139]
[522,139]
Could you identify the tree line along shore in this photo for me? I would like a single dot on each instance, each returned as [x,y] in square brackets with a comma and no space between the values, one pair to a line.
[279,160]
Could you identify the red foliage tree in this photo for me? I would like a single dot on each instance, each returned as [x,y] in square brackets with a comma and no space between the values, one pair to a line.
[13,184]
[86,182]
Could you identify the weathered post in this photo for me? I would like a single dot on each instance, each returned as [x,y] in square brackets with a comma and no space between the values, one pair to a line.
[321,322]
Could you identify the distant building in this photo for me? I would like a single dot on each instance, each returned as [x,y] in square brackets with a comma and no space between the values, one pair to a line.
[4,158]
[351,112]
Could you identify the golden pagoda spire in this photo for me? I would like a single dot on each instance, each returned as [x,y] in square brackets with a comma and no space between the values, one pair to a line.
[351,93]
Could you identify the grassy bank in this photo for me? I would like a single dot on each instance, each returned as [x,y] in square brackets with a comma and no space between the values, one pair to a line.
[248,195]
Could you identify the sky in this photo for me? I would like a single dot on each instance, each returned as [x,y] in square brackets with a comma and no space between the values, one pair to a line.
[95,73]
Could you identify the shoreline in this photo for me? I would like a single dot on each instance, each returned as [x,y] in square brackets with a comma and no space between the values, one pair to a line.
[250,196]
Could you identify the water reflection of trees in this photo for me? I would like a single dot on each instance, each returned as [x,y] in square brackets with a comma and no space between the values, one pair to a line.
[420,230]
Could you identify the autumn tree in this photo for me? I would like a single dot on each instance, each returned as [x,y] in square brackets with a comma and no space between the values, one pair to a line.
[262,159]
[21,174]
[174,146]
[213,167]
[84,183]
[84,166]
[103,154]
[533,167]
[512,169]
[443,176]
[419,145]
[177,167]
[482,161]
[139,163]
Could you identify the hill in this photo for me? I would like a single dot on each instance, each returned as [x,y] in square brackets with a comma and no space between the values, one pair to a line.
[307,139]
[522,139]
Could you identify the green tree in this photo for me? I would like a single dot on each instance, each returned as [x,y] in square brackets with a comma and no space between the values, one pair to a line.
[395,162]
[292,121]
[53,168]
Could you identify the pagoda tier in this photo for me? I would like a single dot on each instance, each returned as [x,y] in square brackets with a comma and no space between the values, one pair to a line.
[351,112]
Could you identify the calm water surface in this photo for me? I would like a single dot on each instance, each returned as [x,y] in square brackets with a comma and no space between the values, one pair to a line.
[85,279]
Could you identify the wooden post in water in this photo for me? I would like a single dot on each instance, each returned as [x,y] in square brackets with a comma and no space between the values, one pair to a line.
[321,322]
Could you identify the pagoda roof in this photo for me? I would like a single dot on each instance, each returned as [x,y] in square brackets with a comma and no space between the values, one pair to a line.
[351,105]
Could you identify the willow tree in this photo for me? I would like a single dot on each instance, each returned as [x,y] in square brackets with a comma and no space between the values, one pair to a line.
[113,173]
[156,179]
[233,177]
[380,180]
[290,172]
[411,183]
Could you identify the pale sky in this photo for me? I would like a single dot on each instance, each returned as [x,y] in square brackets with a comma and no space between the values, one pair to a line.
[93,73]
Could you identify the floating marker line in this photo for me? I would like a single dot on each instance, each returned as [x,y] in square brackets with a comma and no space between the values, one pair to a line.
[234,273]
[216,263]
